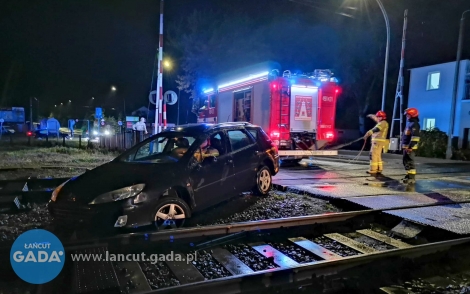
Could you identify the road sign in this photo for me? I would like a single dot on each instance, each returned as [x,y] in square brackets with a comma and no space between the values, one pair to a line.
[120,123]
[170,97]
[98,112]
[2,120]
[132,118]
[153,97]
[102,120]
[102,123]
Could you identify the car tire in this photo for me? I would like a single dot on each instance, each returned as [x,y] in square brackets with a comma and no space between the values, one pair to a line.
[264,181]
[170,213]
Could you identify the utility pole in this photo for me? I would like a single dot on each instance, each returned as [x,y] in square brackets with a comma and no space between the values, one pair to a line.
[450,132]
[399,93]
[31,114]
[159,98]
[179,100]
[387,25]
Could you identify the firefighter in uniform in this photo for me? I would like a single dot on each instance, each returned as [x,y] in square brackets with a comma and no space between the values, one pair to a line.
[409,141]
[379,142]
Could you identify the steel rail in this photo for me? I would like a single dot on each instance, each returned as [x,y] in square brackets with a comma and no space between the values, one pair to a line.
[224,229]
[302,273]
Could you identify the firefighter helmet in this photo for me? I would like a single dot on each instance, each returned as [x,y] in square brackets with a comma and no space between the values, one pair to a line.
[413,112]
[381,114]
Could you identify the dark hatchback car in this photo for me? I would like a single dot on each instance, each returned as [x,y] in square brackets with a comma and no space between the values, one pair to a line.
[163,179]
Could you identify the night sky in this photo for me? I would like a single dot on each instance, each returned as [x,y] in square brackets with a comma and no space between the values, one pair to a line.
[74,50]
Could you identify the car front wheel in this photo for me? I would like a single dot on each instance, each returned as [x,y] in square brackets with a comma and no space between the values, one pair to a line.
[170,213]
[263,181]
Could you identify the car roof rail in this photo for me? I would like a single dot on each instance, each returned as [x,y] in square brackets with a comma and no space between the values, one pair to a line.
[232,123]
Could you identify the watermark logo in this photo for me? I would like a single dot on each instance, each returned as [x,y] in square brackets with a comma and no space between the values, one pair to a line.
[37,256]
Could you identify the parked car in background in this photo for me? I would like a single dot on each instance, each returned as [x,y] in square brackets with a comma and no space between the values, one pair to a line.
[6,130]
[163,179]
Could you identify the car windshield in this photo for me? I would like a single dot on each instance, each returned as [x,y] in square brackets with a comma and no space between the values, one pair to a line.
[164,148]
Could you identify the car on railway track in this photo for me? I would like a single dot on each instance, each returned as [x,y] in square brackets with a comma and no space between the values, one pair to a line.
[164,179]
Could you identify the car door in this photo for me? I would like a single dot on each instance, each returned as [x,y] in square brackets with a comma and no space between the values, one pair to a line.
[213,178]
[245,157]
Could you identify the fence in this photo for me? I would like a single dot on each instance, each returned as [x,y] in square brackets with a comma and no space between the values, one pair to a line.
[122,141]
[118,142]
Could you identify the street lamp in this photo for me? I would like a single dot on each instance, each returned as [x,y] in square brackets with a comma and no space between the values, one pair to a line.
[450,132]
[113,88]
[387,24]
[167,64]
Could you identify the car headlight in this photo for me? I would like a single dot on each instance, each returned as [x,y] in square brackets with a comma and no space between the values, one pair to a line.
[56,191]
[120,194]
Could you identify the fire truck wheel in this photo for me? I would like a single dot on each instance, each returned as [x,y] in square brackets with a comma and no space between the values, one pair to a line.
[264,181]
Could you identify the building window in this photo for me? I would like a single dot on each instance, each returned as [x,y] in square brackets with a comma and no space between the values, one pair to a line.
[433,80]
[429,123]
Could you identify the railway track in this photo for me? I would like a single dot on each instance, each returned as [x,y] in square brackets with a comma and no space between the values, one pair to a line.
[242,256]
[18,193]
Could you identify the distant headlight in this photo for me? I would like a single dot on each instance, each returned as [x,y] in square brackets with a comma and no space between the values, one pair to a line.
[120,194]
[95,133]
[56,191]
[106,133]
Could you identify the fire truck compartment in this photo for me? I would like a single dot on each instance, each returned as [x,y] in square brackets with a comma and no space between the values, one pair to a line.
[304,106]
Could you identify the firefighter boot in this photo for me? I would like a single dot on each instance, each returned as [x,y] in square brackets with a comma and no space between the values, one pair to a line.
[409,179]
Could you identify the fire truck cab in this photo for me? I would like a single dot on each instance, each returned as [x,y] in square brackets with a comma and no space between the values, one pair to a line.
[296,110]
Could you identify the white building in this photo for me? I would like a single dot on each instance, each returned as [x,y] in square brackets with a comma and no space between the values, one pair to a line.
[430,91]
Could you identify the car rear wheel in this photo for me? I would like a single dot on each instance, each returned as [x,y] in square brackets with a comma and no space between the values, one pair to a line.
[171,213]
[263,181]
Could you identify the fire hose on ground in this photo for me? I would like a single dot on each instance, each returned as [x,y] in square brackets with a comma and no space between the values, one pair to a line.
[337,147]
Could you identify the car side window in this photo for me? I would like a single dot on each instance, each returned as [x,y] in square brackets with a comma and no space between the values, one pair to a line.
[238,139]
[254,133]
[217,141]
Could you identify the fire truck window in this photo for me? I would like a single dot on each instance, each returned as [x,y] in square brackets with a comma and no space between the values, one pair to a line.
[213,101]
[238,140]
[243,106]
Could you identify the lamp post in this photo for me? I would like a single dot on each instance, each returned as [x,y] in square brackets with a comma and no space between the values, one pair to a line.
[387,24]
[37,109]
[450,132]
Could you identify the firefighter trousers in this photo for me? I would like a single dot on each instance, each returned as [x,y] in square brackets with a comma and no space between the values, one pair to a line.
[375,155]
[409,163]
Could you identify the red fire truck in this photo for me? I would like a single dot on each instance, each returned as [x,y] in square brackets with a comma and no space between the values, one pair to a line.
[297,110]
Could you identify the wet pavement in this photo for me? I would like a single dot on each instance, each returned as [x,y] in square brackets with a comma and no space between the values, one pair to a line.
[441,183]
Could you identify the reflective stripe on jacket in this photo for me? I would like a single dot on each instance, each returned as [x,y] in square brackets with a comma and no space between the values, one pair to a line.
[379,132]
[410,138]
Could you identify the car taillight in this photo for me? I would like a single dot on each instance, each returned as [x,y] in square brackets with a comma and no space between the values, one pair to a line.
[29,133]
